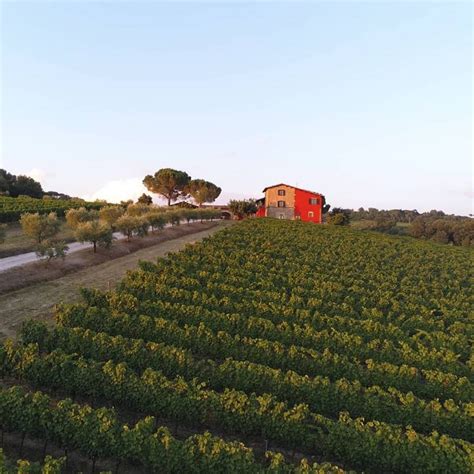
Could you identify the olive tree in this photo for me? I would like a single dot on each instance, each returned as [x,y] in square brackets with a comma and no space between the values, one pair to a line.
[40,227]
[110,214]
[138,209]
[48,250]
[75,217]
[132,225]
[95,232]
[157,220]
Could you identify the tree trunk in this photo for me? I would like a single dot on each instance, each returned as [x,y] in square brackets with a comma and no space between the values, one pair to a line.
[93,465]
[169,200]
[23,436]
[44,448]
[95,246]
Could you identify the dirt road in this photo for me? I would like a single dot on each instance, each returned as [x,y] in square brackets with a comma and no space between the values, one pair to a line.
[38,300]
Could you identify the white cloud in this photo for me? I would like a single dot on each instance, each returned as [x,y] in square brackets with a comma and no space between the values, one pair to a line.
[37,174]
[120,190]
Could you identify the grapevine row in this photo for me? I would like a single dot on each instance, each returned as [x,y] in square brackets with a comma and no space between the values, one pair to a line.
[147,285]
[204,342]
[264,416]
[323,396]
[353,345]
[99,434]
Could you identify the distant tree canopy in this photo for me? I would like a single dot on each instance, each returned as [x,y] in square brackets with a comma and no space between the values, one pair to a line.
[243,208]
[145,199]
[338,216]
[445,230]
[169,183]
[56,195]
[202,191]
[20,185]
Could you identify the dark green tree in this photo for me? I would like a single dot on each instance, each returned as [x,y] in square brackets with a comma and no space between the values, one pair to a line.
[145,199]
[169,183]
[203,191]
[243,208]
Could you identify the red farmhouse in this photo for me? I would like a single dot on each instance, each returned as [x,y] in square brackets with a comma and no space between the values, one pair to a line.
[287,202]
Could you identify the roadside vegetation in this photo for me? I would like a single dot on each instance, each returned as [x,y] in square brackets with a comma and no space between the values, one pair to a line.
[45,217]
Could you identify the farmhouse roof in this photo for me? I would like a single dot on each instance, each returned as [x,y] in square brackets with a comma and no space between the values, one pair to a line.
[294,187]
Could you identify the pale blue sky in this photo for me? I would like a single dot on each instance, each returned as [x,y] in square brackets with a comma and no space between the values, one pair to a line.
[367,103]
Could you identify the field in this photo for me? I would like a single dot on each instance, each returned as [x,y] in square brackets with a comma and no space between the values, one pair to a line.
[272,346]
[11,209]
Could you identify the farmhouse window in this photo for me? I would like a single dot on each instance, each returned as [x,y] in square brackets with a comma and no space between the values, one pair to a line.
[313,201]
[281,192]
[281,204]
[310,214]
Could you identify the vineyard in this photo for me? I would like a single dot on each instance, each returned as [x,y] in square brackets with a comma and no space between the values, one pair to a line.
[272,346]
[11,208]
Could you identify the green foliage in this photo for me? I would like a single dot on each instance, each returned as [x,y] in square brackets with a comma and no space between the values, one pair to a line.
[338,216]
[40,227]
[131,225]
[95,232]
[49,250]
[110,214]
[445,230]
[98,433]
[145,199]
[169,183]
[139,209]
[11,208]
[243,208]
[50,465]
[76,217]
[203,191]
[156,219]
[15,186]
[3,231]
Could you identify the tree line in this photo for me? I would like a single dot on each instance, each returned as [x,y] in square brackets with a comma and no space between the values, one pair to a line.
[433,225]
[97,227]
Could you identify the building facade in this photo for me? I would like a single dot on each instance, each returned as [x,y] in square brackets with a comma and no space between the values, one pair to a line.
[283,201]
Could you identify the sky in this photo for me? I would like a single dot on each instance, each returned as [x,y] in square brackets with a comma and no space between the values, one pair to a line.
[367,103]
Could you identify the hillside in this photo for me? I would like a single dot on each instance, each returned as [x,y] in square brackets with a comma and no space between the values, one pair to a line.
[325,344]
